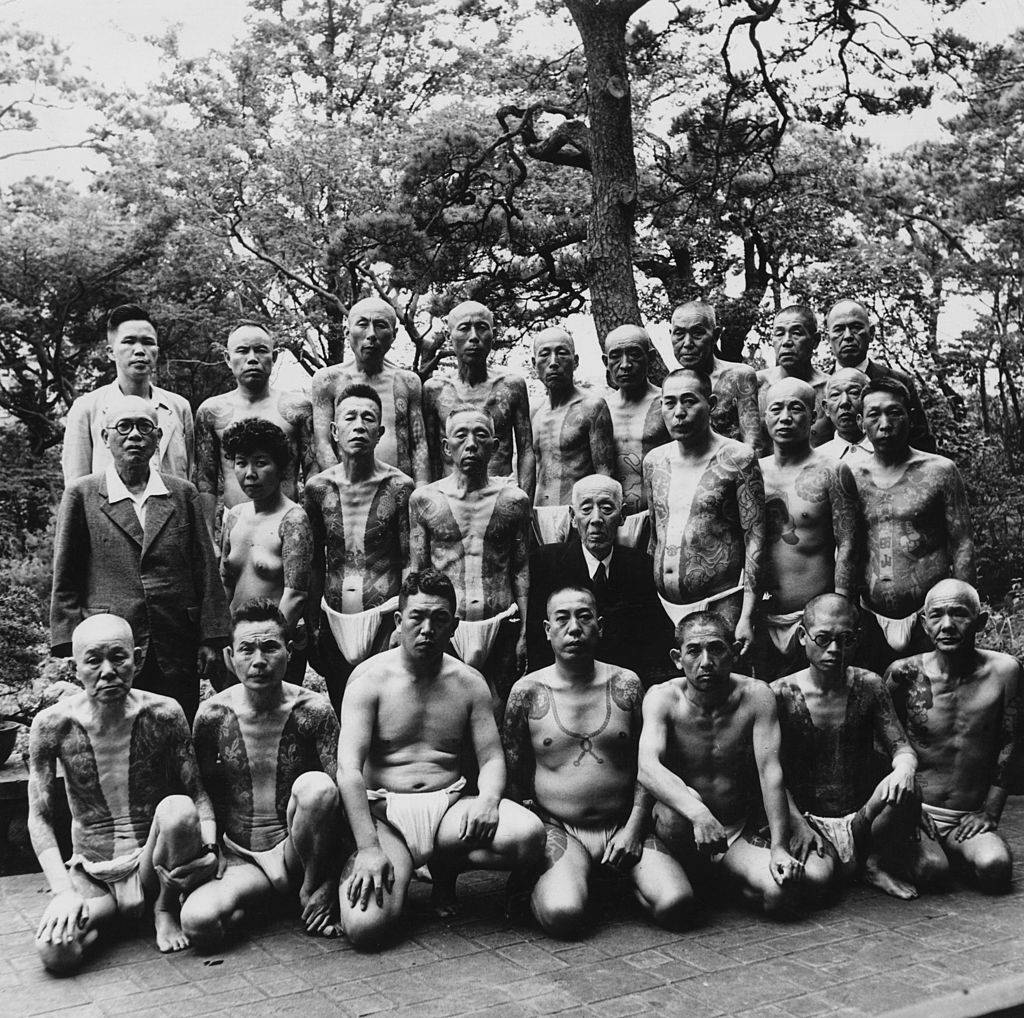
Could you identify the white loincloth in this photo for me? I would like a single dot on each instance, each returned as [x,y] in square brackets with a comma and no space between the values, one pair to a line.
[946,820]
[355,632]
[839,832]
[678,612]
[417,816]
[782,628]
[120,876]
[593,839]
[271,862]
[897,631]
[551,523]
[631,528]
[473,641]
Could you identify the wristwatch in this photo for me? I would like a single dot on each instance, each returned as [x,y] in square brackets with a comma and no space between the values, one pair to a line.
[212,847]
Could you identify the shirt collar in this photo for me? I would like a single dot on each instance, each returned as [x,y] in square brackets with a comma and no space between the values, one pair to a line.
[863,366]
[118,492]
[593,563]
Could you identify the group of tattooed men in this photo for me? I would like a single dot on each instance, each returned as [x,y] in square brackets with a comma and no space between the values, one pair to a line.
[789,524]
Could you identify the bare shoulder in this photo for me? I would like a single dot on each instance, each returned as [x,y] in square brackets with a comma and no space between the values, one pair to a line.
[1005,667]
[435,385]
[409,379]
[326,379]
[460,676]
[763,376]
[516,384]
[294,521]
[660,699]
[309,703]
[164,712]
[593,402]
[657,456]
[429,495]
[214,407]
[758,694]
[626,688]
[51,721]
[294,404]
[513,499]
[737,455]
[867,679]
[369,677]
[906,671]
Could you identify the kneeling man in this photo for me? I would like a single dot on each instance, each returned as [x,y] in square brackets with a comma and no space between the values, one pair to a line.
[700,733]
[570,734]
[267,752]
[831,716]
[962,710]
[407,718]
[141,825]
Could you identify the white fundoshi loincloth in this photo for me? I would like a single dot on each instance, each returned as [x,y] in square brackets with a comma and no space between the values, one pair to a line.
[472,641]
[120,876]
[838,831]
[354,633]
[897,631]
[551,523]
[417,815]
[631,528]
[782,628]
[678,612]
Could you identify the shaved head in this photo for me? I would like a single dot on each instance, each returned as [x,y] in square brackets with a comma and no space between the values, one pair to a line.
[554,334]
[594,485]
[129,406]
[371,306]
[954,590]
[787,387]
[830,604]
[699,307]
[469,307]
[102,628]
[846,375]
[628,334]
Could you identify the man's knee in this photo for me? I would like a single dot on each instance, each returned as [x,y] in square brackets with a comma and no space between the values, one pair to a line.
[315,792]
[993,868]
[366,931]
[528,847]
[63,959]
[821,876]
[205,926]
[176,813]
[560,913]
[931,868]
[673,907]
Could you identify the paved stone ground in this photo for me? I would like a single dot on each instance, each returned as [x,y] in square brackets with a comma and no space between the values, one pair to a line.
[868,955]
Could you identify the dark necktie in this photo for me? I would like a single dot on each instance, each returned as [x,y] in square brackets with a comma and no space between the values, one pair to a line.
[600,582]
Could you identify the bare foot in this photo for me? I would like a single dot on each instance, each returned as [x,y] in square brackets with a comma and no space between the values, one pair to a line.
[884,881]
[169,936]
[320,909]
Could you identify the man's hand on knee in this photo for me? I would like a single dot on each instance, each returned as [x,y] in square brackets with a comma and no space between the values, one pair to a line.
[978,822]
[785,868]
[372,876]
[64,919]
[479,821]
[184,879]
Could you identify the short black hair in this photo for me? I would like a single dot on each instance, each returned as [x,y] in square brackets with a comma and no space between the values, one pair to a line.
[574,588]
[428,581]
[254,433]
[258,609]
[126,313]
[468,408]
[891,386]
[705,380]
[809,317]
[360,390]
[704,618]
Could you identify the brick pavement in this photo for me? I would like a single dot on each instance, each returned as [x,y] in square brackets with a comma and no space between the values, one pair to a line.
[866,956]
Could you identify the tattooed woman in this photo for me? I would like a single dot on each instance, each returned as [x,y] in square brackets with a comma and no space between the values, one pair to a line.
[706,498]
[266,544]
[811,508]
[142,827]
[571,732]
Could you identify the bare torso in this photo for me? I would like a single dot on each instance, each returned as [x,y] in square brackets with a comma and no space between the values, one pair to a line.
[115,778]
[477,538]
[571,441]
[362,527]
[699,508]
[908,540]
[828,739]
[249,761]
[957,728]
[584,743]
[638,427]
[402,443]
[736,414]
[500,394]
[290,411]
[805,505]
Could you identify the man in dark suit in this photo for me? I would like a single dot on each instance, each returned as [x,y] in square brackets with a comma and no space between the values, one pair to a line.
[635,632]
[134,543]
[850,332]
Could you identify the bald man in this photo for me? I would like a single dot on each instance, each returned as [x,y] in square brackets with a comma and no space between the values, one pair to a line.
[637,424]
[499,393]
[250,354]
[706,498]
[962,710]
[795,337]
[851,332]
[811,509]
[694,331]
[844,402]
[370,330]
[474,528]
[143,831]
[572,433]
[133,542]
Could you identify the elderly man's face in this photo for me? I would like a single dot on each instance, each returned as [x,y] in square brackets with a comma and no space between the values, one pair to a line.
[693,337]
[132,437]
[596,513]
[849,332]
[105,663]
[793,340]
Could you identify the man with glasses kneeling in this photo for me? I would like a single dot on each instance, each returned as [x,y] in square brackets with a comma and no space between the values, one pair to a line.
[133,542]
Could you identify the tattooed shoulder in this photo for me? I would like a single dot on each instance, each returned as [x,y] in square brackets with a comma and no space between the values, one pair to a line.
[295,407]
[626,690]
[529,699]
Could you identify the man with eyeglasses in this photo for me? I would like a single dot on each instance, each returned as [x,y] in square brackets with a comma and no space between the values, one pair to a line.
[851,331]
[133,542]
[132,346]
[831,714]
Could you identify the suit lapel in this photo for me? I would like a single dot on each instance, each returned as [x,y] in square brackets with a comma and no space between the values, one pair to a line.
[158,511]
[122,514]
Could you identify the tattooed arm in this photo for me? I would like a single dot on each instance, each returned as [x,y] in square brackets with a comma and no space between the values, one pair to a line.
[845,507]
[403,492]
[300,415]
[417,433]
[323,416]
[602,439]
[43,795]
[520,564]
[432,427]
[744,386]
[207,469]
[515,737]
[186,766]
[751,501]
[297,558]
[646,471]
[898,784]
[958,525]
[526,459]
[626,846]
[318,559]
[325,729]
[420,506]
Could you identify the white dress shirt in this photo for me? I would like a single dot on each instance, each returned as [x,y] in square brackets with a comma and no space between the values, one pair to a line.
[838,448]
[593,563]
[118,492]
